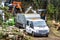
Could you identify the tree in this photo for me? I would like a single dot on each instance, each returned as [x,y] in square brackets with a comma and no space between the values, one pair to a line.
[51,10]
[54,8]
[41,4]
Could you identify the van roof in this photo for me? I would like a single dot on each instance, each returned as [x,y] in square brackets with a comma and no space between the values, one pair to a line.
[35,20]
[29,16]
[32,15]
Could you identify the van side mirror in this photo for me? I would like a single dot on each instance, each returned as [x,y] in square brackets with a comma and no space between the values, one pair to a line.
[31,25]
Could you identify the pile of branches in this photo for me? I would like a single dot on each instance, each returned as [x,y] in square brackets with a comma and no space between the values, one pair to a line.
[12,33]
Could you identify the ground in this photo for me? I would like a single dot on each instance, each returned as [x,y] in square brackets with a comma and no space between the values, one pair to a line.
[12,29]
[50,37]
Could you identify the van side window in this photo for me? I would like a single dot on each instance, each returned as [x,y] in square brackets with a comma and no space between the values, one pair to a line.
[27,22]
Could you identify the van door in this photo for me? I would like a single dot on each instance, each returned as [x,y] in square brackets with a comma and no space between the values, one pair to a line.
[29,28]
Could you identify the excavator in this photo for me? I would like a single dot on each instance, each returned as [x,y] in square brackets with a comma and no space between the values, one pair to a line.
[17,5]
[14,5]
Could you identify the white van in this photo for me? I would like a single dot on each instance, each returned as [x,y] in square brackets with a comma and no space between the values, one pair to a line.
[37,27]
[21,19]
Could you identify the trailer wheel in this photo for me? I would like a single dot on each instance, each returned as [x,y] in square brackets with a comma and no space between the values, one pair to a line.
[17,25]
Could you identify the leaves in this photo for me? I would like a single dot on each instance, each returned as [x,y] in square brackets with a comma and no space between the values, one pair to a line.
[41,4]
[7,15]
[51,8]
[4,8]
[54,9]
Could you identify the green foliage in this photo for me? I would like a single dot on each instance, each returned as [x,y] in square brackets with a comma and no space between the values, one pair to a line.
[54,9]
[4,8]
[1,20]
[40,3]
[51,8]
[7,16]
[10,21]
[1,34]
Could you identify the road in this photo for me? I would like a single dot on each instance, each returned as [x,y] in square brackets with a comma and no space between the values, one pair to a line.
[50,37]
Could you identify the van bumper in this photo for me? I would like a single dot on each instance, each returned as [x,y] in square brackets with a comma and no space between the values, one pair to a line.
[40,34]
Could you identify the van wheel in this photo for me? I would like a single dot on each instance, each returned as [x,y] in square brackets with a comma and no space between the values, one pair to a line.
[47,35]
[33,34]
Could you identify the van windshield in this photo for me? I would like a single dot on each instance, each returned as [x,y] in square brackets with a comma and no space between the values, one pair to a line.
[39,24]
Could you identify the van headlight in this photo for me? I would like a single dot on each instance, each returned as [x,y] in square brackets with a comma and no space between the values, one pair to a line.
[47,30]
[36,31]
